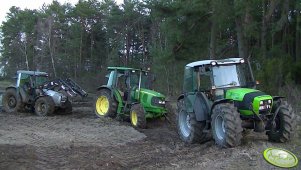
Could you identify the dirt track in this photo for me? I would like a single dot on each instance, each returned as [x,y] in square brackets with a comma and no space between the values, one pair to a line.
[80,141]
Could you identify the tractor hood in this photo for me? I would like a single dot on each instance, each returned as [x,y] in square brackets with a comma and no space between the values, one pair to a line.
[250,101]
[152,93]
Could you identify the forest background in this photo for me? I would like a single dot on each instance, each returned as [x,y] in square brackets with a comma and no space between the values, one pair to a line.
[79,41]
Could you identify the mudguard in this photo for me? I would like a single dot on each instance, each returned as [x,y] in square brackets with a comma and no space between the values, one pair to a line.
[220,101]
[201,107]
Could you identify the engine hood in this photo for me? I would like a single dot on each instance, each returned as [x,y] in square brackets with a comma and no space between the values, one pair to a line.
[250,99]
[152,93]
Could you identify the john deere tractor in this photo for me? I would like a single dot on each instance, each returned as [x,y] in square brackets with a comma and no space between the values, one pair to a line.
[220,99]
[128,94]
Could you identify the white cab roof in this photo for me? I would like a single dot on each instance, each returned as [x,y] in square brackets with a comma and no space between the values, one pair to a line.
[219,62]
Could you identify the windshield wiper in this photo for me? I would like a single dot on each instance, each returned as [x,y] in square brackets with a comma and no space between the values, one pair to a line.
[233,83]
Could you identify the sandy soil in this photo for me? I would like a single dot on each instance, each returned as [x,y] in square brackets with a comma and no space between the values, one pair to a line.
[82,141]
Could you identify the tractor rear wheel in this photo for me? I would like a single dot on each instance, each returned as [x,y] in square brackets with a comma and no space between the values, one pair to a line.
[11,101]
[137,116]
[189,129]
[105,104]
[283,127]
[226,125]
[44,106]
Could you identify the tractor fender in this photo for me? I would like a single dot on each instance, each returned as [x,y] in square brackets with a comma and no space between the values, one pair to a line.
[201,107]
[219,102]
[275,98]
[180,97]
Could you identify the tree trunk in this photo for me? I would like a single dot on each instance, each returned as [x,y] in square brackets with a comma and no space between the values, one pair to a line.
[50,47]
[242,49]
[298,36]
[213,40]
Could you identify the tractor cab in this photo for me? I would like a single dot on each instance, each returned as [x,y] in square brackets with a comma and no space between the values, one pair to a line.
[214,77]
[221,96]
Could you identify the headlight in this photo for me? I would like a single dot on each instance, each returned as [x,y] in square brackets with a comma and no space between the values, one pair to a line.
[156,101]
[261,102]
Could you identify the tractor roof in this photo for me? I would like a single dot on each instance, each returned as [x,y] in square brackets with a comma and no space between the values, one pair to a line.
[218,62]
[36,73]
[124,68]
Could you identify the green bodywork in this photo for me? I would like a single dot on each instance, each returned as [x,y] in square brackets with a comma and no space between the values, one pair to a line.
[143,96]
[238,94]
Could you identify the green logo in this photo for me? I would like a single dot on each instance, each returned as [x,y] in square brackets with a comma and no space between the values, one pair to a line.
[280,157]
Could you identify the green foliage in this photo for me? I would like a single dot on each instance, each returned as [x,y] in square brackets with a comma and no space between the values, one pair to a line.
[164,35]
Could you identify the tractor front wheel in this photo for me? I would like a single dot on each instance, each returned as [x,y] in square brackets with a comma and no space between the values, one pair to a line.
[226,125]
[105,104]
[189,129]
[11,101]
[283,127]
[137,116]
[44,106]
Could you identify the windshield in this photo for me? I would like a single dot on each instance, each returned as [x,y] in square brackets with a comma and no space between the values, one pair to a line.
[40,80]
[228,76]
[145,80]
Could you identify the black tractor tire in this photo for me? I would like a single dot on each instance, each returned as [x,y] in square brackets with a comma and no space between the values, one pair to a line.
[226,125]
[137,116]
[66,110]
[44,106]
[105,104]
[282,130]
[189,129]
[11,102]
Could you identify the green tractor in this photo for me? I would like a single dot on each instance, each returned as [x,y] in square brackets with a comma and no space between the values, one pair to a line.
[128,94]
[220,99]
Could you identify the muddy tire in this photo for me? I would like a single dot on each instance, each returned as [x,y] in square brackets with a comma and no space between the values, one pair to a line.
[137,116]
[11,102]
[44,106]
[226,125]
[282,129]
[189,129]
[66,110]
[105,105]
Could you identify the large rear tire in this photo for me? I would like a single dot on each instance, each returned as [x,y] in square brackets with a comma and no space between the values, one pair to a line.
[105,104]
[226,125]
[189,129]
[282,129]
[44,106]
[137,116]
[11,102]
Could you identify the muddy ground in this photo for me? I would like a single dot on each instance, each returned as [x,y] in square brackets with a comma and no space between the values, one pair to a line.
[82,141]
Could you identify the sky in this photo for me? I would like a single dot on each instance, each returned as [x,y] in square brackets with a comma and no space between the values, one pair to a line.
[30,4]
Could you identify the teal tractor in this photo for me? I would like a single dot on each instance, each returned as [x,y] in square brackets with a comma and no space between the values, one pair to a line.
[220,99]
[128,94]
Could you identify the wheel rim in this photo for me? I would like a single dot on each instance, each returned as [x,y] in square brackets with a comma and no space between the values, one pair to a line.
[220,129]
[42,108]
[12,102]
[184,122]
[134,118]
[102,105]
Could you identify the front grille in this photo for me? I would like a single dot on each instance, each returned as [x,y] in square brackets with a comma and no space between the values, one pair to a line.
[156,101]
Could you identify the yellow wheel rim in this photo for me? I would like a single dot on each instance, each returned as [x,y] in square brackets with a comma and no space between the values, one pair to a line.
[102,105]
[134,118]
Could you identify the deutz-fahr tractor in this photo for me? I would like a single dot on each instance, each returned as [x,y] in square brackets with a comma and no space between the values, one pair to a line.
[220,100]
[34,91]
[128,94]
